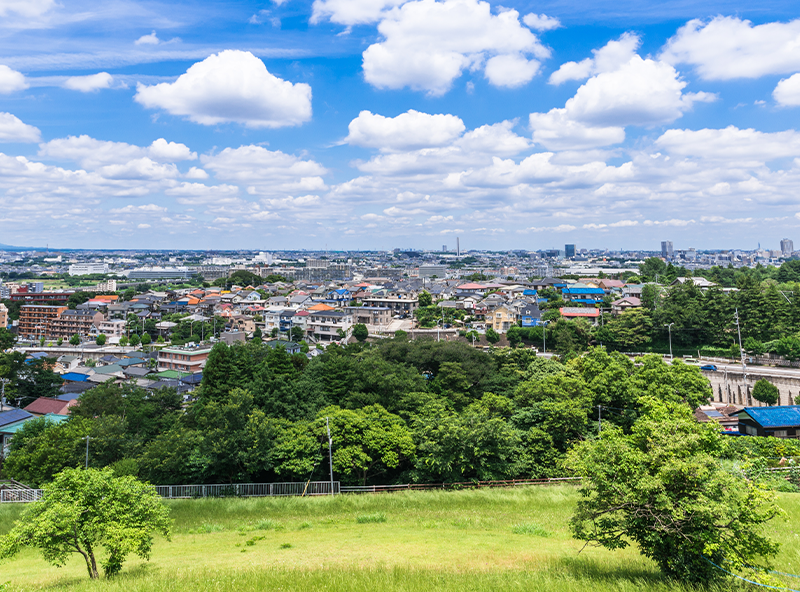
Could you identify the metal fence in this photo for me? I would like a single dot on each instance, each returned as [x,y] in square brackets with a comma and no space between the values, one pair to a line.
[20,495]
[248,489]
[296,488]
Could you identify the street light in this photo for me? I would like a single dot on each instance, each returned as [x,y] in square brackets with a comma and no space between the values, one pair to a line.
[544,336]
[669,328]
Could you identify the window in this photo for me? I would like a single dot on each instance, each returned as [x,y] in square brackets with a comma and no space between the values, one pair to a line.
[750,430]
[779,433]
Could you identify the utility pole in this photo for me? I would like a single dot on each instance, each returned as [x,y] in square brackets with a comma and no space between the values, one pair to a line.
[87,452]
[599,420]
[669,328]
[330,450]
[741,351]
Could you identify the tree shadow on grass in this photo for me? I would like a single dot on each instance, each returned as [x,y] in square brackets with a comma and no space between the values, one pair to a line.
[589,570]
[134,572]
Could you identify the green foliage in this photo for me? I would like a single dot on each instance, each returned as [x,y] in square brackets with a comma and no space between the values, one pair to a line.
[146,339]
[7,339]
[135,340]
[75,339]
[123,341]
[85,510]
[663,488]
[425,298]
[100,340]
[492,336]
[360,332]
[377,517]
[766,392]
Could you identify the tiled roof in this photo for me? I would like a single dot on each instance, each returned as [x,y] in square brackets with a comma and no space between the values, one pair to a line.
[570,311]
[9,417]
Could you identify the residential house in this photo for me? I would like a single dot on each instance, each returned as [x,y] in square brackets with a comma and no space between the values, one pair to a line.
[183,359]
[530,315]
[501,319]
[45,405]
[290,346]
[400,304]
[113,329]
[623,304]
[591,314]
[779,421]
[3,316]
[582,294]
[332,325]
[370,315]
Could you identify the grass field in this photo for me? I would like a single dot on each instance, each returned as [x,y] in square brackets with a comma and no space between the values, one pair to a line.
[493,540]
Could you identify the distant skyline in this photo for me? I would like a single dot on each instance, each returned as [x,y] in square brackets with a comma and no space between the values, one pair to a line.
[375,124]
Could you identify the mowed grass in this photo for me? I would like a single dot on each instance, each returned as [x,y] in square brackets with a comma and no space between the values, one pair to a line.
[509,539]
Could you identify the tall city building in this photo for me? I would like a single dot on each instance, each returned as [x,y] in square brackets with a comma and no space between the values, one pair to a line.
[787,246]
[569,251]
[666,249]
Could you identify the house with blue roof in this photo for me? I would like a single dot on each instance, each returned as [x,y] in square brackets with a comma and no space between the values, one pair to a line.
[583,295]
[779,421]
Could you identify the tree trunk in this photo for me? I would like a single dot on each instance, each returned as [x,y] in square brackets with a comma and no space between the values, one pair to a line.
[91,564]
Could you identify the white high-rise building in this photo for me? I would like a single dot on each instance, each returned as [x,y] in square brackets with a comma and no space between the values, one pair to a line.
[787,246]
[88,268]
[666,249]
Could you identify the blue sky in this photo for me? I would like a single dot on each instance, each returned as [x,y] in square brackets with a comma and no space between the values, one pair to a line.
[376,124]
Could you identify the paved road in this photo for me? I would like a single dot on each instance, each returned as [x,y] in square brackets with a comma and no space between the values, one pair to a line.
[758,370]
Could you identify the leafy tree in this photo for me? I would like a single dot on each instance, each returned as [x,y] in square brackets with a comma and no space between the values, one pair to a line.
[360,331]
[123,341]
[274,332]
[492,336]
[366,442]
[7,339]
[629,331]
[754,346]
[101,339]
[425,298]
[662,487]
[296,333]
[75,339]
[766,392]
[514,336]
[652,268]
[128,294]
[146,339]
[244,278]
[401,335]
[84,510]
[135,340]
[257,334]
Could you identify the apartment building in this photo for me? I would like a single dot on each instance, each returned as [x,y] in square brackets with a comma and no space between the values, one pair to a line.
[370,315]
[3,315]
[75,322]
[183,359]
[398,304]
[35,319]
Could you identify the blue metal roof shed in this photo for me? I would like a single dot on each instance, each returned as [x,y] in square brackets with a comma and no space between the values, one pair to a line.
[781,421]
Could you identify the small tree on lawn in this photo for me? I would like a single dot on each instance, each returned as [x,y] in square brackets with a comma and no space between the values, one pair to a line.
[75,339]
[101,339]
[360,331]
[85,510]
[766,392]
[663,488]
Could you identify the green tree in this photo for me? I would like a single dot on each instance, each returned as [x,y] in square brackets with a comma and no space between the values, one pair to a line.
[146,339]
[663,488]
[85,510]
[296,333]
[101,339]
[257,336]
[492,336]
[135,340]
[514,336]
[360,331]
[630,330]
[766,392]
[274,332]
[7,339]
[123,341]
[425,298]
[75,339]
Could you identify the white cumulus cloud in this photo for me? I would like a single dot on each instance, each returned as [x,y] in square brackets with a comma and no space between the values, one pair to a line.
[787,91]
[12,129]
[351,12]
[11,80]
[511,70]
[556,131]
[731,144]
[541,22]
[427,45]
[92,153]
[231,86]
[89,83]
[151,39]
[408,131]
[727,47]
[608,58]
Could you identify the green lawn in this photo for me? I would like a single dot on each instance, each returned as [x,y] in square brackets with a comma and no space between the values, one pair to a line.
[510,539]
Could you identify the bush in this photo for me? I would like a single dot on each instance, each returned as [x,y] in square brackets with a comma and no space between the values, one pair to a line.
[368,518]
[766,392]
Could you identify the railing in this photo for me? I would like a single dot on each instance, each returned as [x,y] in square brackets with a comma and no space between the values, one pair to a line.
[461,485]
[297,488]
[20,495]
[247,489]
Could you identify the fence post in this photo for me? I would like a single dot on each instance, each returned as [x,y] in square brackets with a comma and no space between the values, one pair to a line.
[204,491]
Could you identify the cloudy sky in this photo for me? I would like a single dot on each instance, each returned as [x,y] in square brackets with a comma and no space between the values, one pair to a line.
[377,124]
